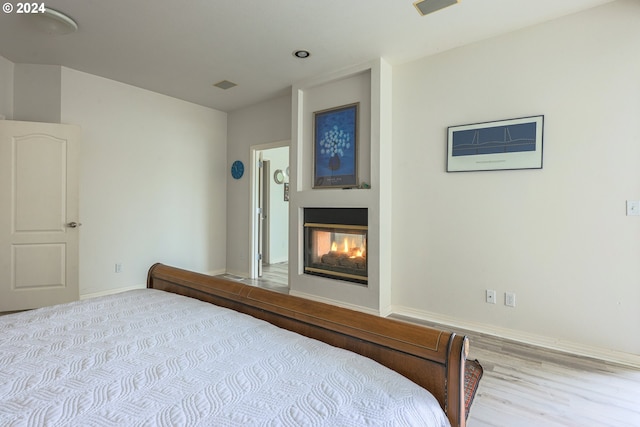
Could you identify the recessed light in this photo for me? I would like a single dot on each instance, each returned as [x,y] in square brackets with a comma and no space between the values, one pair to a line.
[302,54]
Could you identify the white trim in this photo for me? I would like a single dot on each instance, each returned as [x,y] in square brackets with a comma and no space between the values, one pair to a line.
[254,152]
[386,311]
[600,353]
[129,288]
[111,291]
[334,302]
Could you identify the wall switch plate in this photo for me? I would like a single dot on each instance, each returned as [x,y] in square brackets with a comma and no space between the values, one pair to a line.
[118,268]
[491,296]
[633,207]
[509,299]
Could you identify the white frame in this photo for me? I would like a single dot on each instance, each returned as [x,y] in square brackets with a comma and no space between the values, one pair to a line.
[253,204]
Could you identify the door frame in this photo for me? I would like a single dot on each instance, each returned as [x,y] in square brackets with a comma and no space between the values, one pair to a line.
[254,156]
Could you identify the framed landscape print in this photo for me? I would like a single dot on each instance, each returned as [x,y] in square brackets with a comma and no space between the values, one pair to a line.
[335,142]
[499,145]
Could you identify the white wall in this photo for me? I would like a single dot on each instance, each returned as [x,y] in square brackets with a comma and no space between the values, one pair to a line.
[262,123]
[152,184]
[37,91]
[557,237]
[6,88]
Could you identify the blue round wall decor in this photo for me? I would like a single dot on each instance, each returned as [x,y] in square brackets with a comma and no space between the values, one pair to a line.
[237,169]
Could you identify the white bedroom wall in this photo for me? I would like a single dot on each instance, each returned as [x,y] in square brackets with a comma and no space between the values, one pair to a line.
[6,88]
[153,182]
[262,123]
[557,237]
[37,90]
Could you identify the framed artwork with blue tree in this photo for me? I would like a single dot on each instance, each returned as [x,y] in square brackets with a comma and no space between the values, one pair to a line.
[335,141]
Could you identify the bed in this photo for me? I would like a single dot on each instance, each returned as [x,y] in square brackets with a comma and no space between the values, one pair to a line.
[153,357]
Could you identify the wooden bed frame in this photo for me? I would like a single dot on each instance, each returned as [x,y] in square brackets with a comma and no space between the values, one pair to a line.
[432,358]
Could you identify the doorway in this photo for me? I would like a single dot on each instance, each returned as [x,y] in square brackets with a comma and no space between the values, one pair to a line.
[270,221]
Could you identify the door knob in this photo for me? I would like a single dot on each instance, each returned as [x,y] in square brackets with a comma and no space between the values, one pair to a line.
[73,224]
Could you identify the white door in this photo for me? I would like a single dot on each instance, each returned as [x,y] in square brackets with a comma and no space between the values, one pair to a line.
[38,214]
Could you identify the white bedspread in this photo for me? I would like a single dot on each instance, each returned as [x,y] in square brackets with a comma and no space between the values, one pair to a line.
[151,358]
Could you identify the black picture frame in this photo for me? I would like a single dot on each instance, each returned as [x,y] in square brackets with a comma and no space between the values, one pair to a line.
[497,145]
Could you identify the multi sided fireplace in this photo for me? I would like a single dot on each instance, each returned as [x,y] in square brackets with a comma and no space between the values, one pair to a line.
[335,243]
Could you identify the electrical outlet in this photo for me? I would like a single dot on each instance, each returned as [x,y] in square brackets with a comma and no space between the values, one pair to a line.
[509,299]
[491,296]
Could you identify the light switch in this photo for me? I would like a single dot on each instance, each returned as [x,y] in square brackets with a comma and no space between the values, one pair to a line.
[633,207]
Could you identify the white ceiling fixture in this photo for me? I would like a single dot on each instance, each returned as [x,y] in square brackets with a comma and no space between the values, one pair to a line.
[53,22]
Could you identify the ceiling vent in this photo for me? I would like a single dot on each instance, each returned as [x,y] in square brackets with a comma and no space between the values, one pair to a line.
[225,84]
[426,7]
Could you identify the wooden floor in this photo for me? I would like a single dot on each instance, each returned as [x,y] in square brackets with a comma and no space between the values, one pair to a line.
[527,386]
[274,277]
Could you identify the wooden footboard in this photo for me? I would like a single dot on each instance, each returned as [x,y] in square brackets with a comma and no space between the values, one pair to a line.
[432,358]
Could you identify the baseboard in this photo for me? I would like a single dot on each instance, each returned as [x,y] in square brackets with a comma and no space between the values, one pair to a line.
[577,349]
[386,311]
[111,291]
[217,272]
[334,302]
[129,288]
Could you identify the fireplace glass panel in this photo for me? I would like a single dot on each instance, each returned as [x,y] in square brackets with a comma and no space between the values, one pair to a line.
[336,251]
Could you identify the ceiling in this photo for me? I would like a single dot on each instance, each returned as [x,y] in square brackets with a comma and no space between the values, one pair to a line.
[181,48]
